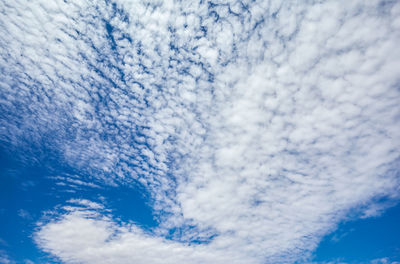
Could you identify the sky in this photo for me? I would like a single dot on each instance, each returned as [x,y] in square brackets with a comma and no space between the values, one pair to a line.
[196,132]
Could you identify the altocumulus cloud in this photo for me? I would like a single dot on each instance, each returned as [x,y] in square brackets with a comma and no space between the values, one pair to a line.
[255,126]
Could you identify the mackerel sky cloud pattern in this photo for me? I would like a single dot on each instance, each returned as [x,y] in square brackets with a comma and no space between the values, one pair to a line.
[255,127]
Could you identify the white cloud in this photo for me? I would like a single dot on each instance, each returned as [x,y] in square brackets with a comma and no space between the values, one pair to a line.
[4,258]
[383,261]
[75,238]
[24,214]
[260,124]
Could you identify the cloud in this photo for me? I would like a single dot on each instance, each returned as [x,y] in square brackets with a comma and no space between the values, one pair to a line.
[255,127]
[82,235]
[4,258]
[383,261]
[24,214]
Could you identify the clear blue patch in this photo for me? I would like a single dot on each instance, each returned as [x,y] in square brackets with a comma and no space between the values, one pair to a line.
[363,240]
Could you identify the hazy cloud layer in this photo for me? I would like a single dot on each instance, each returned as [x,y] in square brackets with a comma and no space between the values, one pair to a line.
[255,127]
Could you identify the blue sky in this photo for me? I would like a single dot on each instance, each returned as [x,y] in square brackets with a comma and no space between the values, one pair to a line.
[199,132]
[25,195]
[362,241]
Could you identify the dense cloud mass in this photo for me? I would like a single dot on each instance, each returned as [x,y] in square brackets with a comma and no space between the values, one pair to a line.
[255,126]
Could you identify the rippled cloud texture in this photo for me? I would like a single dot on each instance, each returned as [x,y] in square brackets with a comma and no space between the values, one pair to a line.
[255,126]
